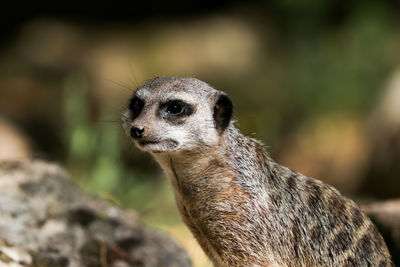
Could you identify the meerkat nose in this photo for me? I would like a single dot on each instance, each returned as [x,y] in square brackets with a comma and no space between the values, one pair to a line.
[137,132]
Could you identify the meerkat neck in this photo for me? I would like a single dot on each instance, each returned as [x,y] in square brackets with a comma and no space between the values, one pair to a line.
[250,160]
[234,155]
[187,165]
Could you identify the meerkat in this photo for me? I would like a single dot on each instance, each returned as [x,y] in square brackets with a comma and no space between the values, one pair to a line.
[243,208]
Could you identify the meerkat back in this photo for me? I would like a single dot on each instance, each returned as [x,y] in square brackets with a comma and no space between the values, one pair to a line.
[243,208]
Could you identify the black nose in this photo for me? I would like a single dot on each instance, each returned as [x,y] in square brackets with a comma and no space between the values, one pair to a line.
[137,132]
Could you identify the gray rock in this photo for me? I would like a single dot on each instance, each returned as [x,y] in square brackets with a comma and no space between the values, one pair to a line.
[46,220]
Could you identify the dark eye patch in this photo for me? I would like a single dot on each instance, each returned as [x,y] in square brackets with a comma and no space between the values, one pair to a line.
[135,105]
[176,109]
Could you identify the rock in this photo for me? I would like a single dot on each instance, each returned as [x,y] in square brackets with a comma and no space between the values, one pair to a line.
[46,220]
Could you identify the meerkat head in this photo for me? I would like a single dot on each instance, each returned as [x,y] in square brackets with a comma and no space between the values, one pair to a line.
[176,114]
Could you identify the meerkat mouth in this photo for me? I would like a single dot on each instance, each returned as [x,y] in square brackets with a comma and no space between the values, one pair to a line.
[158,145]
[146,143]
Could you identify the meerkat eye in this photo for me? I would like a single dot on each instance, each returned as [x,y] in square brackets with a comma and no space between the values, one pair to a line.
[175,108]
[135,106]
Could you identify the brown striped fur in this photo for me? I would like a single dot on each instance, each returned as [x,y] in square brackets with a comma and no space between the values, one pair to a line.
[242,207]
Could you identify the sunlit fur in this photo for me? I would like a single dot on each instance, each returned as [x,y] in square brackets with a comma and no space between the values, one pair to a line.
[242,207]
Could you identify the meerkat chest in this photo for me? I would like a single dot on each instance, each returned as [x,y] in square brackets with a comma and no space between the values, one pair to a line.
[212,200]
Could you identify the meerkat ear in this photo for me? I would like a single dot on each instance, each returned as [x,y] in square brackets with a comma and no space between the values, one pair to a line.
[223,111]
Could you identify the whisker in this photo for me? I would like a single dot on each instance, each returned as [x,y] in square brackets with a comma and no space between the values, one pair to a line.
[121,85]
[133,73]
[106,121]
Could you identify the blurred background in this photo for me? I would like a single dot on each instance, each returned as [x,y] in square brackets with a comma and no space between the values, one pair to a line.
[317,81]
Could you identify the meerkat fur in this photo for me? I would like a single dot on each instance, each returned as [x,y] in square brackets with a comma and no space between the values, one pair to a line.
[243,208]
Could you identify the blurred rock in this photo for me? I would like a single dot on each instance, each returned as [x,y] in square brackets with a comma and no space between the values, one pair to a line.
[386,216]
[46,220]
